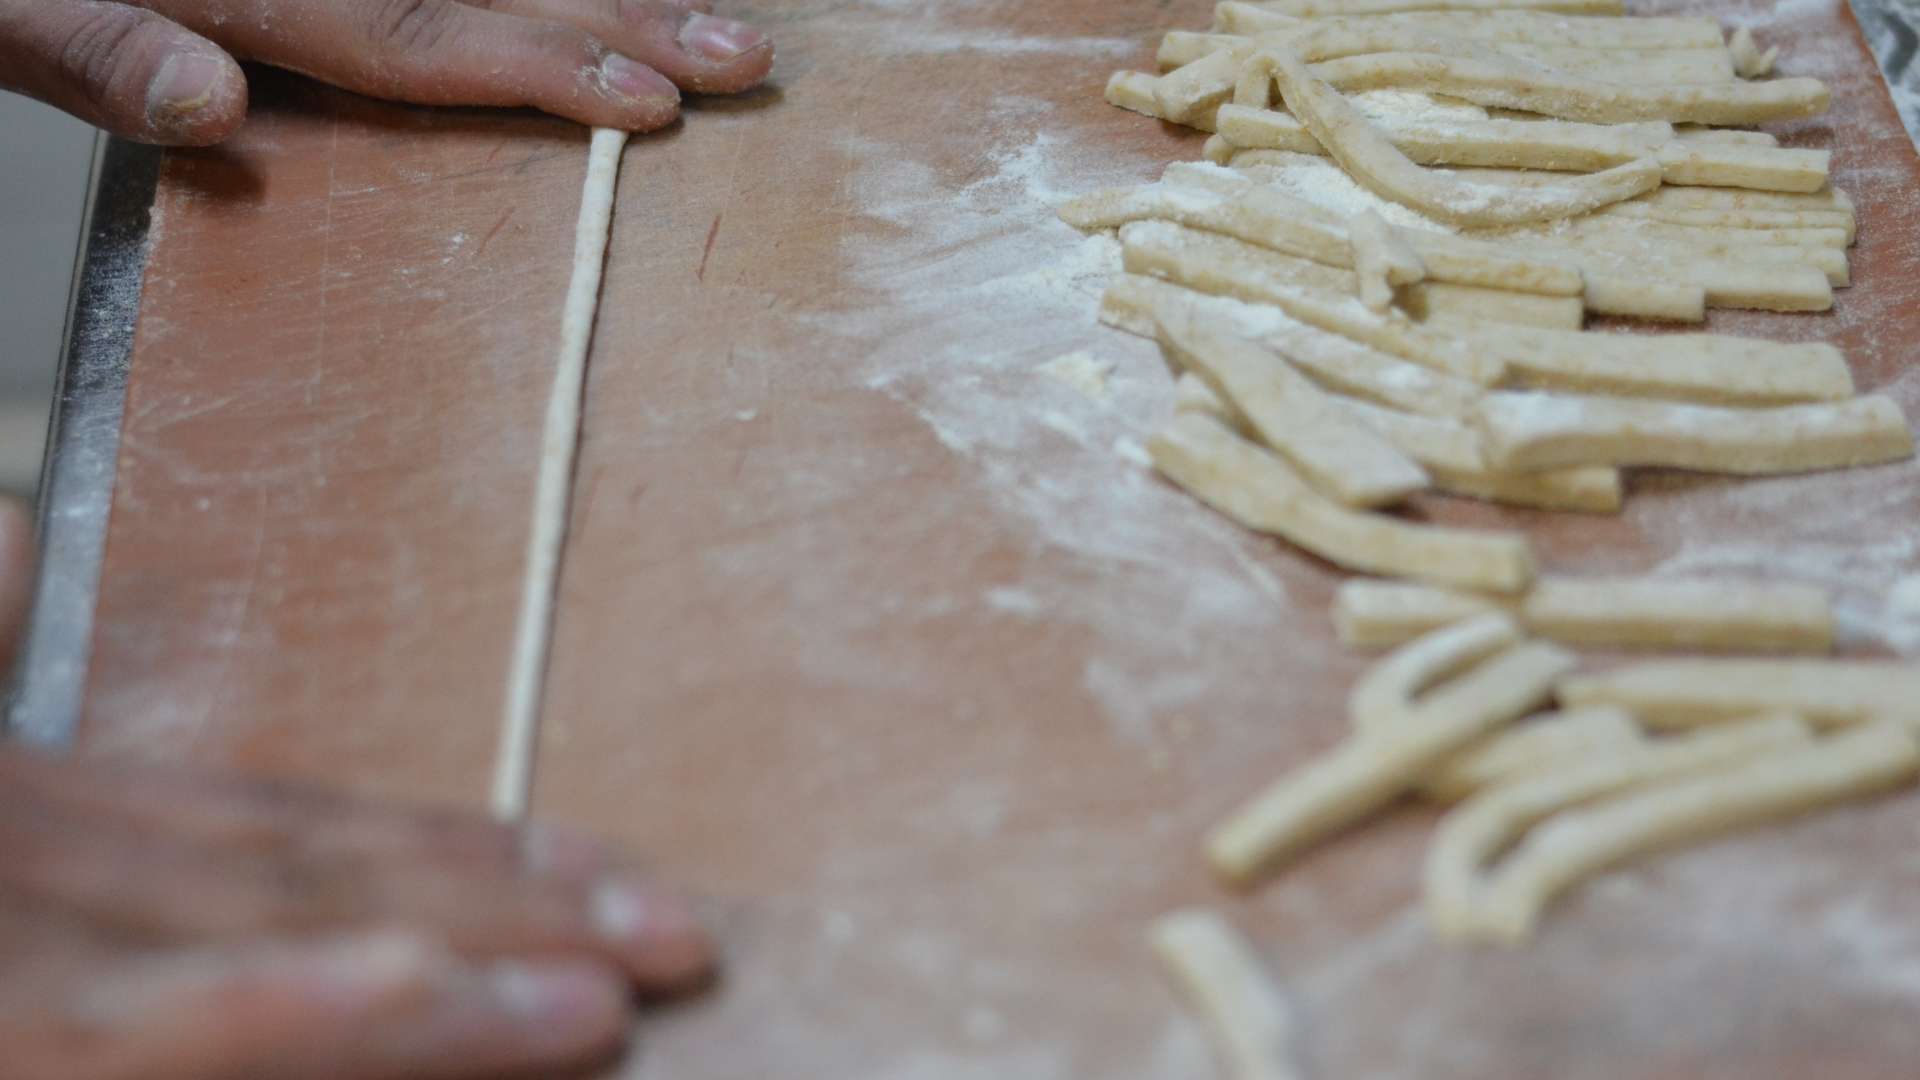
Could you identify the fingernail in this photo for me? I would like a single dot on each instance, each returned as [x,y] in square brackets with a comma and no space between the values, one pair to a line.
[548,994]
[719,40]
[658,934]
[547,851]
[623,911]
[184,85]
[368,967]
[636,81]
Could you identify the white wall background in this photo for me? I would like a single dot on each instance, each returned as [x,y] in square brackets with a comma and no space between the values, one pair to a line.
[43,176]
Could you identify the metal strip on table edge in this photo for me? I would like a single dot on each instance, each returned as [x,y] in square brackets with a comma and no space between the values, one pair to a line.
[76,488]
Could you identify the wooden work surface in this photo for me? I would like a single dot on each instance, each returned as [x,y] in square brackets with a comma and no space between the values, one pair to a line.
[873,633]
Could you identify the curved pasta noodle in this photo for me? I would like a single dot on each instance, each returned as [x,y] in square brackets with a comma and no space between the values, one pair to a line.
[1480,828]
[1552,741]
[1371,769]
[1849,765]
[1374,161]
[1384,697]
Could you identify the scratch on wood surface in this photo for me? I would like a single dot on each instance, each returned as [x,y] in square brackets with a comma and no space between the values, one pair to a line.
[712,235]
[493,232]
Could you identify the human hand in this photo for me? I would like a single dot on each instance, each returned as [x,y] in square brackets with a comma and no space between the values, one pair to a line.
[177,927]
[164,71]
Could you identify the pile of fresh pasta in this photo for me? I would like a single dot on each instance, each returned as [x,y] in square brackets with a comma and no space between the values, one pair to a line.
[1376,284]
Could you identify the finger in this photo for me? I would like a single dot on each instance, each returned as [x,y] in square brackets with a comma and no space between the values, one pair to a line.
[16,576]
[129,71]
[698,51]
[266,818]
[155,889]
[368,1007]
[440,52]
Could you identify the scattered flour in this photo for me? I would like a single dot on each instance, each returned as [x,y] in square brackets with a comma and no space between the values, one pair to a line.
[1080,371]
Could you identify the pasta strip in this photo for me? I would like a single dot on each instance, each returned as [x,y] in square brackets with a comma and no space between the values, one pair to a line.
[1369,770]
[1605,613]
[1259,490]
[1548,742]
[1536,28]
[1704,368]
[1763,788]
[1217,970]
[1476,832]
[1542,431]
[1344,460]
[1688,693]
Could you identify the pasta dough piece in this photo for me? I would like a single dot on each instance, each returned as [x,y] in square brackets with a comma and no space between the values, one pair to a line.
[1688,693]
[1365,153]
[1438,300]
[1211,263]
[1526,144]
[1748,61]
[1546,743]
[1220,973]
[1850,765]
[1307,9]
[1714,64]
[1344,460]
[1198,90]
[1391,333]
[1381,259]
[1695,259]
[1477,831]
[1606,613]
[1598,32]
[1493,80]
[1262,492]
[1703,368]
[1384,698]
[1543,431]
[1736,165]
[1737,219]
[1370,770]
[1451,453]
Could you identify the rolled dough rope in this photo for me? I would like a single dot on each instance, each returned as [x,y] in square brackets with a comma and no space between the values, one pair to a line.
[1736,165]
[1381,259]
[1767,787]
[1384,697]
[1495,80]
[1748,60]
[1629,613]
[1696,133]
[1439,300]
[1472,835]
[1689,693]
[1450,452]
[1328,310]
[1702,368]
[1551,741]
[1696,236]
[1543,431]
[1345,461]
[1596,32]
[1367,772]
[1311,9]
[1220,973]
[1781,284]
[1259,490]
[553,488]
[1374,161]
[1216,150]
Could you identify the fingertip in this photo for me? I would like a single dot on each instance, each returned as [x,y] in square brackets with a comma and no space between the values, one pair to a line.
[645,100]
[662,943]
[196,99]
[564,1011]
[739,56]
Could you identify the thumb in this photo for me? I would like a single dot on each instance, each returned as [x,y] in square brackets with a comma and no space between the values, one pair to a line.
[121,68]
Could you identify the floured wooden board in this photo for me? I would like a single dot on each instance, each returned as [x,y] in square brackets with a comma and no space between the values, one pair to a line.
[877,629]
